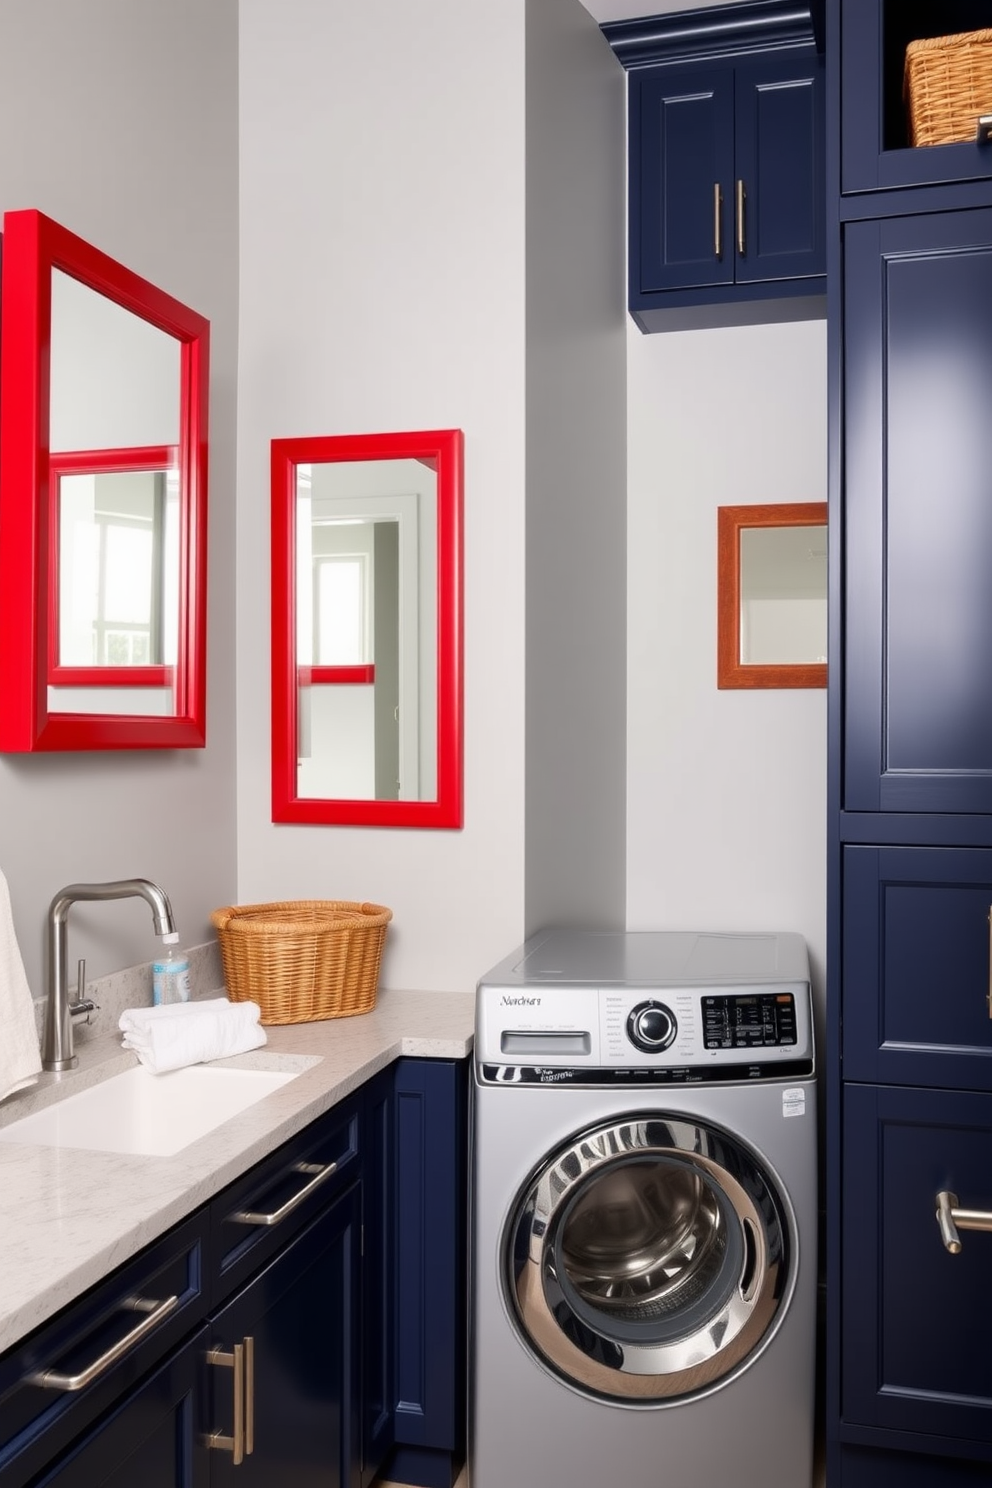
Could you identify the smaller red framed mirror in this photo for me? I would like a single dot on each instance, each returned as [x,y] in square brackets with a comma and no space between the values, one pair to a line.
[367,629]
[103,518]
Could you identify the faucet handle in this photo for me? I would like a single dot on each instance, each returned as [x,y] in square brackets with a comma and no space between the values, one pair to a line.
[79,1003]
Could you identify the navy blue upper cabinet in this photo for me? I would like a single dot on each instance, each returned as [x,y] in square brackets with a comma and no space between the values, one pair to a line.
[726,164]
[918,457]
[726,182]
[875,150]
[694,136]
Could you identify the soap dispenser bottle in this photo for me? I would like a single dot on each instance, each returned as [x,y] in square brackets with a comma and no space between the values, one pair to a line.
[170,974]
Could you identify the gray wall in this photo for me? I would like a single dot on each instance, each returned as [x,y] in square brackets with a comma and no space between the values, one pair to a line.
[576,724]
[119,119]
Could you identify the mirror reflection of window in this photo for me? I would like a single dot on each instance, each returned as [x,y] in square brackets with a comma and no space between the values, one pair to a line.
[118,568]
[783,596]
[118,557]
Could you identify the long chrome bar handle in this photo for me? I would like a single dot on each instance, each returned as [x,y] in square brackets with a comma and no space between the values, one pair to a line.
[951,1219]
[235,1444]
[51,1379]
[717,221]
[741,226]
[321,1174]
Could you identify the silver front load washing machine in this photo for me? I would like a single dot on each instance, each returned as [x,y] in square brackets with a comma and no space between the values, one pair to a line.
[644,1214]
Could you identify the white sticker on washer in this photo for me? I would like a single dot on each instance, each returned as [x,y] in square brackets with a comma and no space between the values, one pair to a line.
[794,1101]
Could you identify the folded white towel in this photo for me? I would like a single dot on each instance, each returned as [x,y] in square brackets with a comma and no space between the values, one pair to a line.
[20,1057]
[181,1033]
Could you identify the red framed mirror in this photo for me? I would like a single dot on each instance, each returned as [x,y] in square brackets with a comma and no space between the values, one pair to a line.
[103,516]
[367,629]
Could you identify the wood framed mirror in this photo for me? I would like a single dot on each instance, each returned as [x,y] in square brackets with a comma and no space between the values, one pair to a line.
[772,595]
[367,629]
[103,492]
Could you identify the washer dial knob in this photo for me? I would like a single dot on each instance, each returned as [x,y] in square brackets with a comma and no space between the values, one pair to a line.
[651,1026]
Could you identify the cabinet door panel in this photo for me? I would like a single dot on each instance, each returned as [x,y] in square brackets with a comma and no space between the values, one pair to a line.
[301,1313]
[915,1318]
[918,448]
[681,144]
[917,966]
[780,153]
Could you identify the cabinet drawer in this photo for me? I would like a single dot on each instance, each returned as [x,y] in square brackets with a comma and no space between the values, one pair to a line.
[916,966]
[55,1383]
[915,1354]
[254,1217]
[151,1437]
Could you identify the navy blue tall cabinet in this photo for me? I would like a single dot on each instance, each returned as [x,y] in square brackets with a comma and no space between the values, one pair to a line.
[910,791]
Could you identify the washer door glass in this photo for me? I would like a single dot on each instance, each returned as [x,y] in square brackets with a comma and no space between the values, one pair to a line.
[647,1260]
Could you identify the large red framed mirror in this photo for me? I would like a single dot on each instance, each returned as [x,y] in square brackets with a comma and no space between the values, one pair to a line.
[103,500]
[367,629]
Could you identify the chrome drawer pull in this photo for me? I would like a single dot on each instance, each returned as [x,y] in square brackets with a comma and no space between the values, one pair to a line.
[717,221]
[983,129]
[321,1174]
[741,229]
[51,1379]
[950,1219]
[234,1444]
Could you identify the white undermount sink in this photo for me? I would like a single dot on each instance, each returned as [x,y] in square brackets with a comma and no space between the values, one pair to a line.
[143,1113]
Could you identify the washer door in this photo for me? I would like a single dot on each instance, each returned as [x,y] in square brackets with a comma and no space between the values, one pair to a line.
[648,1259]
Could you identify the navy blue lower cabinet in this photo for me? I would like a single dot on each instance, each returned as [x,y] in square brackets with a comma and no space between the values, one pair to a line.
[296,1330]
[428,1240]
[917,966]
[917,452]
[916,1364]
[151,1438]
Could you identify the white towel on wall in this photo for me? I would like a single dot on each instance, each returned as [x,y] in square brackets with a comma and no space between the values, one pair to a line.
[20,1056]
[181,1033]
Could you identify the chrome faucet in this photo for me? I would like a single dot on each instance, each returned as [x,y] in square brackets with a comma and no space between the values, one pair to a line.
[61,1008]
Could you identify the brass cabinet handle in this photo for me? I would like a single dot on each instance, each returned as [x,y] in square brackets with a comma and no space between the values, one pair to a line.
[249,1395]
[741,229]
[321,1174]
[235,1444]
[51,1379]
[717,221]
[950,1219]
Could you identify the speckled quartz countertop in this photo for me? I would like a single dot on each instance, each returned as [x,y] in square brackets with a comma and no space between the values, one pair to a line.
[68,1217]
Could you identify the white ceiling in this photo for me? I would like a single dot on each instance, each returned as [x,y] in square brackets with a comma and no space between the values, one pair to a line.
[626,10]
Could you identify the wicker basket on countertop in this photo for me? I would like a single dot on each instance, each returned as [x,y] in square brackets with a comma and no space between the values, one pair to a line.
[304,959]
[947,86]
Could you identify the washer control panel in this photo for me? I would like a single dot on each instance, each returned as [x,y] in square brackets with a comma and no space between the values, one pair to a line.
[664,1034]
